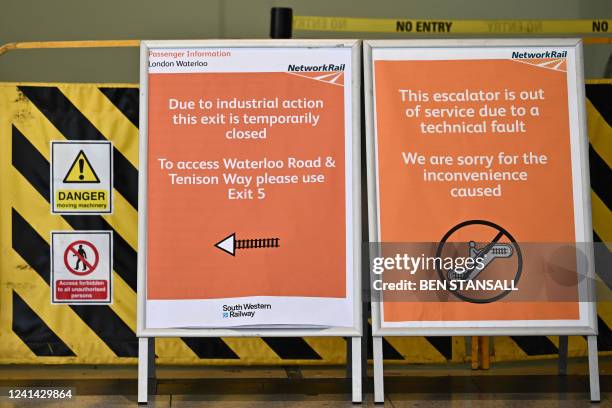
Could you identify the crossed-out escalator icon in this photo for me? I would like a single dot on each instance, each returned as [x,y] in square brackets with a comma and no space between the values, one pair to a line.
[490,252]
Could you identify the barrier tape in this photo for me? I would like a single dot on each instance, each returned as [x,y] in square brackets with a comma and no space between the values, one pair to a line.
[445,27]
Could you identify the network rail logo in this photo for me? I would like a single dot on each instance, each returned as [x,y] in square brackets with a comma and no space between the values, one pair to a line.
[316,68]
[550,59]
[542,54]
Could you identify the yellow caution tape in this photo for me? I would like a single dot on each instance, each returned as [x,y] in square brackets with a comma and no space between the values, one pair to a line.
[437,27]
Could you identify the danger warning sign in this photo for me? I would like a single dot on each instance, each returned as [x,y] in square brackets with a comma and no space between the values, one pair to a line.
[81,171]
[81,267]
[82,177]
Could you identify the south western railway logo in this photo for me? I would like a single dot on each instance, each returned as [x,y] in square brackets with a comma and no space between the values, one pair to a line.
[244,310]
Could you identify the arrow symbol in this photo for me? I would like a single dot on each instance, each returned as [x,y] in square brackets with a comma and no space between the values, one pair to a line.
[230,244]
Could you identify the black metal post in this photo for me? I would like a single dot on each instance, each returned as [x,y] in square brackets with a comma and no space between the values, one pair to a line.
[281,22]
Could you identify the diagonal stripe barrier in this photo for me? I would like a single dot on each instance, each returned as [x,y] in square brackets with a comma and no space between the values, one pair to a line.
[599,118]
[34,331]
[35,115]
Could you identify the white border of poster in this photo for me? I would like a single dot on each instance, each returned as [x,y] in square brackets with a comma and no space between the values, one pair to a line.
[493,49]
[353,185]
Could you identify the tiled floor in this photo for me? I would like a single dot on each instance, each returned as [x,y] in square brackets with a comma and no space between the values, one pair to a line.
[523,385]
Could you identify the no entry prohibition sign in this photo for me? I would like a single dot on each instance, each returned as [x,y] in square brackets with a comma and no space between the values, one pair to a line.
[81,271]
[83,259]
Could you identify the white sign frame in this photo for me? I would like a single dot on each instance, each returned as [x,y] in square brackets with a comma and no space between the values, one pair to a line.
[356,330]
[588,321]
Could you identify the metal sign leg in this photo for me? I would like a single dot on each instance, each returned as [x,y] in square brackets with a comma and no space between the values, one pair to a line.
[143,364]
[152,369]
[356,368]
[593,369]
[379,390]
[562,355]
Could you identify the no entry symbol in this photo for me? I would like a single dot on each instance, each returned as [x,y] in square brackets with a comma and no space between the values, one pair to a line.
[81,258]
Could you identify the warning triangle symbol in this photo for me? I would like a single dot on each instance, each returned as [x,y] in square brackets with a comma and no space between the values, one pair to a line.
[81,171]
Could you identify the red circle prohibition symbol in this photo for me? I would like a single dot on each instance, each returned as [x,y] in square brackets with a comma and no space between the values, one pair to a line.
[71,250]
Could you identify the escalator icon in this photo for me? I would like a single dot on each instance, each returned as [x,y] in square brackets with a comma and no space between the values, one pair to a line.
[488,254]
[502,247]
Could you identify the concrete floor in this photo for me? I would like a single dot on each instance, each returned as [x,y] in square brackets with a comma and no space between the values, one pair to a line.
[525,384]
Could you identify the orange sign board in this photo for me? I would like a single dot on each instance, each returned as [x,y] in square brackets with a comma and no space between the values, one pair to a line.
[476,145]
[249,188]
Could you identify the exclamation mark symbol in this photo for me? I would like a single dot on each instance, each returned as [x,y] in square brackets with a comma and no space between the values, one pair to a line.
[81,164]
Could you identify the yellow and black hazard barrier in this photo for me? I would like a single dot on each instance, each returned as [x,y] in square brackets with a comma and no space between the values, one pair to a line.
[35,331]
[429,27]
[32,330]
[599,118]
